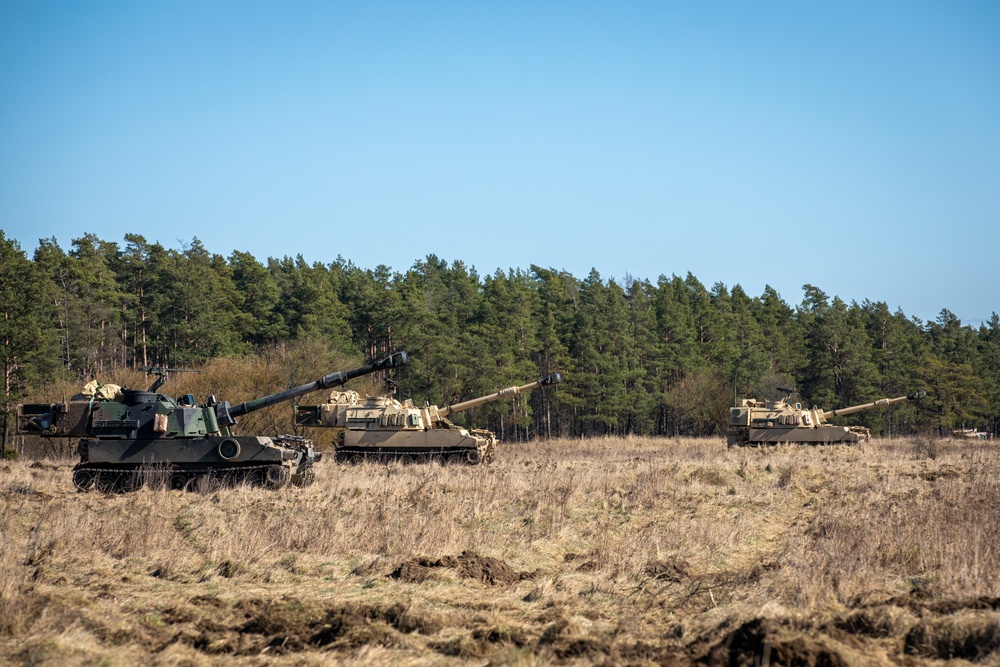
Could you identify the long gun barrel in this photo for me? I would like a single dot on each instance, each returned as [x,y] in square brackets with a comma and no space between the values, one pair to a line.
[555,378]
[227,414]
[880,403]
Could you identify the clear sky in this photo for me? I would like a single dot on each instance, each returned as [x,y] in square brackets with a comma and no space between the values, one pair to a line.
[854,146]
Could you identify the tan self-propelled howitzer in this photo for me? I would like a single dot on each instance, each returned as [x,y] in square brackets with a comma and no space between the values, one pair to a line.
[381,427]
[776,422]
[128,436]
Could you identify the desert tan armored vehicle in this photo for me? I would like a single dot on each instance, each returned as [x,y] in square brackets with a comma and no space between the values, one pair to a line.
[381,427]
[128,436]
[774,422]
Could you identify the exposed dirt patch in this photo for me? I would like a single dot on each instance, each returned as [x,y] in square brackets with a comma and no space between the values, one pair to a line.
[674,570]
[972,635]
[468,564]
[502,634]
[878,621]
[567,640]
[952,606]
[763,641]
[462,646]
[291,625]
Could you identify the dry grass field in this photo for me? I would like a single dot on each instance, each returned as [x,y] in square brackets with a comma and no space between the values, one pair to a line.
[607,551]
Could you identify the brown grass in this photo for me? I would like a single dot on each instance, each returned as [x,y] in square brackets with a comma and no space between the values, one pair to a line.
[615,551]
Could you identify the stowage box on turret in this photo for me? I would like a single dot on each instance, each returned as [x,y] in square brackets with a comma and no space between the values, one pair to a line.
[775,422]
[381,427]
[127,436]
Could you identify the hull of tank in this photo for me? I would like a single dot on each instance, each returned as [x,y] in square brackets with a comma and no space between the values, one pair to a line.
[777,435]
[115,465]
[430,446]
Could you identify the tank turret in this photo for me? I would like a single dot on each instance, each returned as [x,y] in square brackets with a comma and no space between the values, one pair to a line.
[127,433]
[756,422]
[382,427]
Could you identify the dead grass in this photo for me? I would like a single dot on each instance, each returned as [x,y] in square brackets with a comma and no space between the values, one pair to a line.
[615,551]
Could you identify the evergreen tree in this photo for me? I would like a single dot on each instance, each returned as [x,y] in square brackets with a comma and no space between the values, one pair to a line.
[28,341]
[956,396]
[839,371]
[896,353]
[85,298]
[555,314]
[197,309]
[505,335]
[989,355]
[643,389]
[371,299]
[783,339]
[435,310]
[678,345]
[96,303]
[257,319]
[57,288]
[749,363]
[597,378]
[138,270]
[309,305]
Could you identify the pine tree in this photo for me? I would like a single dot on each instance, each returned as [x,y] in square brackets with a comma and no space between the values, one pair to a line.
[28,343]
[783,336]
[197,308]
[57,287]
[555,314]
[371,299]
[258,319]
[642,386]
[896,354]
[679,347]
[138,270]
[989,355]
[839,371]
[749,363]
[96,304]
[309,305]
[504,333]
[595,376]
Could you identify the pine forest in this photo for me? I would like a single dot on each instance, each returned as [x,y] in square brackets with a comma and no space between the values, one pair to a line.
[638,357]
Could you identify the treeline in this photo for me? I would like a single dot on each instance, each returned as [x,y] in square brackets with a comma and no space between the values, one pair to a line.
[638,357]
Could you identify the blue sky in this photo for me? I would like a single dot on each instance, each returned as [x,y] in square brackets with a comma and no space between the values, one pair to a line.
[854,146]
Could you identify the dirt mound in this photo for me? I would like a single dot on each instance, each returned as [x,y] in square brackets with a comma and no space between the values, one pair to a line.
[290,625]
[878,621]
[953,606]
[675,570]
[972,635]
[763,641]
[568,641]
[470,565]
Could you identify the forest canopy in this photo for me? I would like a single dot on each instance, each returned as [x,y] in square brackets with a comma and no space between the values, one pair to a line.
[637,357]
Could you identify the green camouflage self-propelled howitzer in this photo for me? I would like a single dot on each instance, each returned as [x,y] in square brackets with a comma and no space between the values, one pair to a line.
[381,427]
[128,436]
[778,422]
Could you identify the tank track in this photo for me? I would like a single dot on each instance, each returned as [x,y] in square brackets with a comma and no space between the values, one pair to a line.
[120,480]
[469,457]
[742,439]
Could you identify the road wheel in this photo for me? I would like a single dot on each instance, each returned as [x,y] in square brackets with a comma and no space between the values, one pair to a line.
[83,479]
[277,476]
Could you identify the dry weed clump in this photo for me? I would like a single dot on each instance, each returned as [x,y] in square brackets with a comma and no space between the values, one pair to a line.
[609,550]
